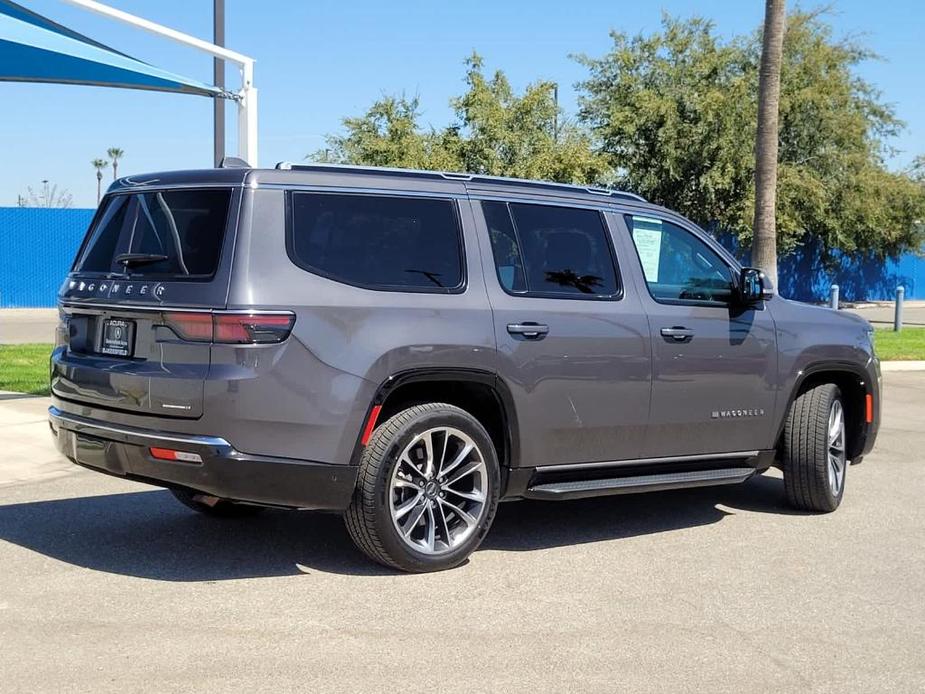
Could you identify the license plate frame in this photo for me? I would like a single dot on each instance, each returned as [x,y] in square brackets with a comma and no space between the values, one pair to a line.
[118,337]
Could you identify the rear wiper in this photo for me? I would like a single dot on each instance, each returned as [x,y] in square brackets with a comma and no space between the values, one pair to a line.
[127,259]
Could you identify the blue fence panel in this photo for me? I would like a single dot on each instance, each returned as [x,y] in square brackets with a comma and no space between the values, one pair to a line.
[803,276]
[37,247]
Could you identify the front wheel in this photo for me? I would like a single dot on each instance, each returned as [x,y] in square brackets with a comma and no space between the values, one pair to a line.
[814,451]
[427,491]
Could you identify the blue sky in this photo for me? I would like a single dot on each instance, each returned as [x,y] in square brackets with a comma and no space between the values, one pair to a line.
[318,61]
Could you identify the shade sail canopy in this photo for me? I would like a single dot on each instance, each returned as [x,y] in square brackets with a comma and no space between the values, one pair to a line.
[35,49]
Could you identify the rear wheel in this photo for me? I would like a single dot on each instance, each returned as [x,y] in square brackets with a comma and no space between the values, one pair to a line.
[814,450]
[427,491]
[213,505]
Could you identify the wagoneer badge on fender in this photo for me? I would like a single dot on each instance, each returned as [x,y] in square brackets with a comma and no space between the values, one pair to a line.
[725,414]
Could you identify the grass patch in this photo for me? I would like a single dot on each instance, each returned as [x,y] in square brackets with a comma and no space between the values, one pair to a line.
[907,344]
[24,368]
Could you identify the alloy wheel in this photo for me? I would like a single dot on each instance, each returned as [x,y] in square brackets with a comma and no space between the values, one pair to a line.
[438,490]
[836,449]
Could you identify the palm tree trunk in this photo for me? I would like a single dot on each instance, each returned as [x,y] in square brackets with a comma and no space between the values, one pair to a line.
[99,180]
[764,244]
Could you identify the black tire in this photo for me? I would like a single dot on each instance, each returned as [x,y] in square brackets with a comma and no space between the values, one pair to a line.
[805,454]
[221,508]
[369,516]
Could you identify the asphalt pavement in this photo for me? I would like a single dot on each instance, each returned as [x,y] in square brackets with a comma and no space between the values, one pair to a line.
[108,585]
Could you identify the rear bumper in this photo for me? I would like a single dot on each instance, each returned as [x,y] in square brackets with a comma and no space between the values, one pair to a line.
[224,471]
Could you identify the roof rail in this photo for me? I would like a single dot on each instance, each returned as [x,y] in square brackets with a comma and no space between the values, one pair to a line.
[458,176]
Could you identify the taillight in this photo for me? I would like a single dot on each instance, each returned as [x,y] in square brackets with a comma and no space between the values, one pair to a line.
[251,328]
[230,328]
[195,327]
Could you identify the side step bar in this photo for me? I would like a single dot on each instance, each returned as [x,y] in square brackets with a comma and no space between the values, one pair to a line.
[641,483]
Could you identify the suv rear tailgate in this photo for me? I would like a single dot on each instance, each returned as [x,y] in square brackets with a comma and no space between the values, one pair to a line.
[163,376]
[147,254]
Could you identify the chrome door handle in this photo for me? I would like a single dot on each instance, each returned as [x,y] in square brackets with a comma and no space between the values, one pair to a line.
[677,333]
[531,331]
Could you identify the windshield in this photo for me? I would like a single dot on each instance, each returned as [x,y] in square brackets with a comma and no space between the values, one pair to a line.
[175,233]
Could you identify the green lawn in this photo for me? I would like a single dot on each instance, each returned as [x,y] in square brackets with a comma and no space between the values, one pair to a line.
[24,368]
[908,343]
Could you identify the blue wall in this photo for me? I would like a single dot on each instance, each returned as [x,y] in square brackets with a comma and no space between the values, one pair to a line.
[860,277]
[37,246]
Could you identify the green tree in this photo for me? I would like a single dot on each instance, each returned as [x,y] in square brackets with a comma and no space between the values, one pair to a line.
[495,132]
[115,154]
[676,113]
[505,134]
[99,165]
[388,134]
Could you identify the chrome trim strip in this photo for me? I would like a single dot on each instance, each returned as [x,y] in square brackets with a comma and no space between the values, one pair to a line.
[164,308]
[455,176]
[170,186]
[362,190]
[648,461]
[547,201]
[77,423]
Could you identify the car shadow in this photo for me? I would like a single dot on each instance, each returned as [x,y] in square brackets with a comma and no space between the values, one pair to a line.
[149,535]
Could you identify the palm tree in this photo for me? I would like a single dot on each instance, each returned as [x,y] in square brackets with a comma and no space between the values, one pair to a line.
[115,154]
[764,245]
[99,165]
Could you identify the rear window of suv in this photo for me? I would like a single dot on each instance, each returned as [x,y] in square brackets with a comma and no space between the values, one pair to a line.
[378,241]
[170,233]
[551,251]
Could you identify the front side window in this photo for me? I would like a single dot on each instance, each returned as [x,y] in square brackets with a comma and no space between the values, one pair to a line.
[551,251]
[679,267]
[172,233]
[378,241]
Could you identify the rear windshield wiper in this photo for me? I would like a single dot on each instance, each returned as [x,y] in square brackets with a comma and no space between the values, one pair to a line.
[127,259]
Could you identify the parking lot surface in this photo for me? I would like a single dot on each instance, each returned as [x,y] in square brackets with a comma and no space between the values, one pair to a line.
[108,585]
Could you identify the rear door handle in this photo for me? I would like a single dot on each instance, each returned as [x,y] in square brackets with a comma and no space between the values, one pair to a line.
[531,331]
[677,333]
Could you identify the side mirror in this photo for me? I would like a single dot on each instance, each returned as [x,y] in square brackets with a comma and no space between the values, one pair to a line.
[753,286]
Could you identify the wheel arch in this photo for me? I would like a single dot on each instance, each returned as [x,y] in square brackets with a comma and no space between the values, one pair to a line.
[480,393]
[852,380]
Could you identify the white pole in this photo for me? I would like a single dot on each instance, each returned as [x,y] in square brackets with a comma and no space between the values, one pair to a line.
[247,97]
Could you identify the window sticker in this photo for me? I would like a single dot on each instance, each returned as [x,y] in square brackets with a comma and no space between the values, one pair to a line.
[647,234]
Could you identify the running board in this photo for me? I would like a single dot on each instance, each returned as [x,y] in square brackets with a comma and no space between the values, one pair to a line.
[640,483]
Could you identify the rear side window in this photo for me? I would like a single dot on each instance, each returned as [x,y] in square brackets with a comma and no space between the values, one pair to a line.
[545,250]
[378,241]
[171,233]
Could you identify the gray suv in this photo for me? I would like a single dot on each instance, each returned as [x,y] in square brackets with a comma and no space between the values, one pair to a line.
[409,348]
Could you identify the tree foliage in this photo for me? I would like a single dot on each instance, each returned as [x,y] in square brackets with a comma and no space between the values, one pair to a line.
[496,132]
[48,196]
[672,115]
[676,113]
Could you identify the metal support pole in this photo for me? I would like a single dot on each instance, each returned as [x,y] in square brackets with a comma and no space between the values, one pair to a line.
[247,116]
[247,97]
[833,297]
[218,79]
[898,316]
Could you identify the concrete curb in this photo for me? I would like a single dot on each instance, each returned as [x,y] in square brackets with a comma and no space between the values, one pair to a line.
[902,365]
